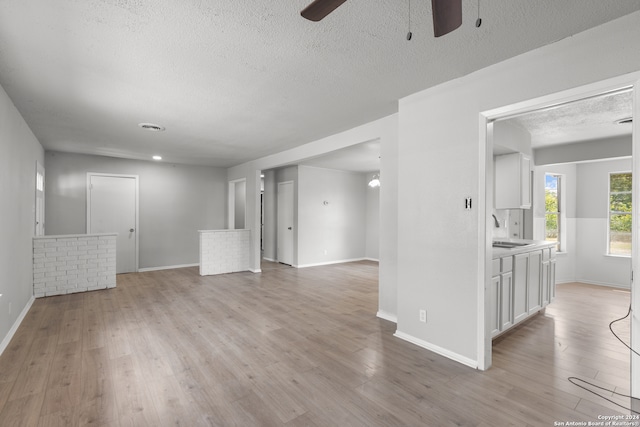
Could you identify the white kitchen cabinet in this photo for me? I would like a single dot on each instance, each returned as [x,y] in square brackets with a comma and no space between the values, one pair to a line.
[520,279]
[534,289]
[512,181]
[495,304]
[522,284]
[506,300]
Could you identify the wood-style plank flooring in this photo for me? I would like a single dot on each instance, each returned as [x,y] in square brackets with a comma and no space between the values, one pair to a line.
[294,347]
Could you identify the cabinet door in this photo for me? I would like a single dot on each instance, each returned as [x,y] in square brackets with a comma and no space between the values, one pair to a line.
[506,301]
[552,280]
[534,301]
[545,283]
[495,306]
[520,278]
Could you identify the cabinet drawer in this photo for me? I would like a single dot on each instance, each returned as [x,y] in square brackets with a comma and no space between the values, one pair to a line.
[495,267]
[507,264]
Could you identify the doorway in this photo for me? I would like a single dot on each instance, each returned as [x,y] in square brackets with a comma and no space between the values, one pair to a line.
[547,103]
[112,207]
[285,223]
[237,204]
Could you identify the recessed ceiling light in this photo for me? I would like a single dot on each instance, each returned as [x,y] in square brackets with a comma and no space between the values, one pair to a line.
[157,157]
[625,121]
[151,127]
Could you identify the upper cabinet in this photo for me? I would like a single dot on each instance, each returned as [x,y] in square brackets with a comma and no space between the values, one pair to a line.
[513,181]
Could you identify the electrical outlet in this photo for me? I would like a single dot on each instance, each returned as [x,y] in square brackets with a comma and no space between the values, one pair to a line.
[423,316]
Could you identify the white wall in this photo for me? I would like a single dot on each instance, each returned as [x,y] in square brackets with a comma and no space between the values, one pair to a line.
[240,202]
[442,248]
[19,152]
[597,149]
[334,231]
[175,202]
[372,243]
[593,265]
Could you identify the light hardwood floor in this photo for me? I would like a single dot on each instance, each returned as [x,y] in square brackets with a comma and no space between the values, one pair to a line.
[293,347]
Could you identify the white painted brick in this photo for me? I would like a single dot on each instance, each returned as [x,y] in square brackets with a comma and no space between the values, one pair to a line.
[51,293]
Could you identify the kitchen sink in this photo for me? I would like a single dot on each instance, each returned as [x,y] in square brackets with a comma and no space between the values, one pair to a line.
[509,245]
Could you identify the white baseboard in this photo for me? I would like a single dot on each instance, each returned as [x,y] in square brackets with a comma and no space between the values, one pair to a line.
[340,261]
[387,316]
[167,267]
[5,342]
[255,270]
[371,259]
[269,259]
[436,349]
[592,282]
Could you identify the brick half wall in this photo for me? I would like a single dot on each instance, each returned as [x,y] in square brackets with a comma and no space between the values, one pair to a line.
[74,263]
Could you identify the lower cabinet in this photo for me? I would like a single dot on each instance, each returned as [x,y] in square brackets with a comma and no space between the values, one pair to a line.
[524,284]
[520,278]
[506,303]
[495,303]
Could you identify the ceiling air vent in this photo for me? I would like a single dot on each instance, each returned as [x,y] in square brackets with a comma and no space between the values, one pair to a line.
[625,121]
[151,127]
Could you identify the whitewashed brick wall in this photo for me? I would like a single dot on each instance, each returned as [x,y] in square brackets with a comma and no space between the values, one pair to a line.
[224,251]
[74,263]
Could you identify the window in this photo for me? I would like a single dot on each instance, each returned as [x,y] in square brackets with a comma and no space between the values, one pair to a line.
[620,214]
[553,205]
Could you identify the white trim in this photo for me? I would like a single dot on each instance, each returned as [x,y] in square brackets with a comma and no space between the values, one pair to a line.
[167,267]
[371,259]
[592,282]
[7,339]
[436,349]
[269,259]
[387,316]
[255,270]
[137,226]
[341,261]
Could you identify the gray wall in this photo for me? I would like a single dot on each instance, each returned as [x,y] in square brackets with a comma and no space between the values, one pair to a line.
[240,201]
[335,231]
[175,202]
[19,151]
[372,222]
[597,149]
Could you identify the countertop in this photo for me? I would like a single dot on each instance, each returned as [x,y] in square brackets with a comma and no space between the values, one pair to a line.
[533,246]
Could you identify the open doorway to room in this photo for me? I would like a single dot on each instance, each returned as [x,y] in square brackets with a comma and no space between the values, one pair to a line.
[574,154]
[334,215]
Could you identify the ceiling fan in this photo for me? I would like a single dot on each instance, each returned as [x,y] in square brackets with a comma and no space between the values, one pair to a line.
[447,14]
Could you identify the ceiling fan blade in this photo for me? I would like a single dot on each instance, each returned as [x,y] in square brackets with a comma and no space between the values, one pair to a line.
[320,8]
[447,16]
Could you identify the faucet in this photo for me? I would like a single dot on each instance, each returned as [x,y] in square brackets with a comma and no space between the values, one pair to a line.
[496,221]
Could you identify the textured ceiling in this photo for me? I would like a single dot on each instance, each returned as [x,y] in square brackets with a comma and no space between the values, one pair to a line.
[237,80]
[587,119]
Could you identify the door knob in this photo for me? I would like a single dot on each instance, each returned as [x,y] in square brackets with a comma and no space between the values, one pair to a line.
[131,230]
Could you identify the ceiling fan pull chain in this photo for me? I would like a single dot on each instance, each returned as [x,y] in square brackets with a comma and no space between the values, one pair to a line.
[409,34]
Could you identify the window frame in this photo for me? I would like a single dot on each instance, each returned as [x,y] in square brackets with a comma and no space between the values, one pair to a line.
[560,246]
[609,211]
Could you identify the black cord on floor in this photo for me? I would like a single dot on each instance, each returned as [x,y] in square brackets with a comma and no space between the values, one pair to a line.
[573,380]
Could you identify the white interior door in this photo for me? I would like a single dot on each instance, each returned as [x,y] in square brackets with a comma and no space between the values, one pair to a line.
[112,208]
[285,222]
